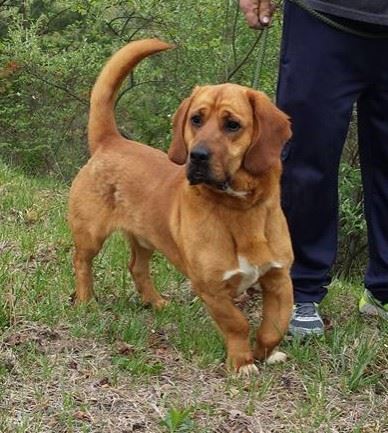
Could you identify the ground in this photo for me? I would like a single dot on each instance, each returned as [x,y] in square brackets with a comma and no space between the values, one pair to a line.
[115,366]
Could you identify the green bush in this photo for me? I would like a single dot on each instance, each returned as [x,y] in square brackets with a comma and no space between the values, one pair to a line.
[352,254]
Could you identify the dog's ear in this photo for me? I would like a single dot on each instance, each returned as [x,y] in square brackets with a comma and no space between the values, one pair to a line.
[271,130]
[178,149]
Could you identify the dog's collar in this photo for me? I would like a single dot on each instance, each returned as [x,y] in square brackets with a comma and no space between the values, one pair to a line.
[225,188]
[241,194]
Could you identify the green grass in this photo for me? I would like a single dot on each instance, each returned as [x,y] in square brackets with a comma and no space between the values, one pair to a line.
[114,364]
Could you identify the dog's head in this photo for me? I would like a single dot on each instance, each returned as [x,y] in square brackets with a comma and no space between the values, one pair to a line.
[220,129]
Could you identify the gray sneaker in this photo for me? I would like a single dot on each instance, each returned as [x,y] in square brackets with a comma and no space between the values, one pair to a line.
[370,306]
[306,320]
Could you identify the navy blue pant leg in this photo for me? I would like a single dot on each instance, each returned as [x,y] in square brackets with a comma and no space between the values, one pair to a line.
[373,142]
[323,72]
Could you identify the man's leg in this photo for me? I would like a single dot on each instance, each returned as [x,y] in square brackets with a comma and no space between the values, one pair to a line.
[318,85]
[373,142]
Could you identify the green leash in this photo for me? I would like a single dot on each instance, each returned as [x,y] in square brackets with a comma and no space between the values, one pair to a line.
[260,59]
[336,25]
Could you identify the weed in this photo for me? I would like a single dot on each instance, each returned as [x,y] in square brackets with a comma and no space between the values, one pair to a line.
[178,420]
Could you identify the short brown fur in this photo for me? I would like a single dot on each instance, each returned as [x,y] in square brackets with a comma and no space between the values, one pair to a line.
[202,230]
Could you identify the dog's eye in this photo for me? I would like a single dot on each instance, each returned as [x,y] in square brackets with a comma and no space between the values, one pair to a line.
[196,120]
[232,125]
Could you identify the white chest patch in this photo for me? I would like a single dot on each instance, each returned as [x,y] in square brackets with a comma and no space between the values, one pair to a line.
[249,273]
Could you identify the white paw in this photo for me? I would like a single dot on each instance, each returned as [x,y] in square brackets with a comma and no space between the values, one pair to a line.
[276,357]
[248,371]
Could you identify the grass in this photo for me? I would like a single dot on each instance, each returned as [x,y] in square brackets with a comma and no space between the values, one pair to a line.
[114,365]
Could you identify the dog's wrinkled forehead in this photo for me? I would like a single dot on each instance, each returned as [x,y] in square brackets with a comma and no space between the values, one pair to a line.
[230,98]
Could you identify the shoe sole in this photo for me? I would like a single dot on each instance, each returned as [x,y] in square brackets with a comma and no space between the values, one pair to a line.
[373,311]
[304,332]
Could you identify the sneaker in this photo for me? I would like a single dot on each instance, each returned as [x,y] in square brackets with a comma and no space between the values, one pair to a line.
[370,306]
[306,320]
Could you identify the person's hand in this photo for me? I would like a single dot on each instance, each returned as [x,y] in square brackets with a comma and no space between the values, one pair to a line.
[258,13]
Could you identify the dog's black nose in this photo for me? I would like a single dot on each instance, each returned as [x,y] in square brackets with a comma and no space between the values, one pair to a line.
[199,154]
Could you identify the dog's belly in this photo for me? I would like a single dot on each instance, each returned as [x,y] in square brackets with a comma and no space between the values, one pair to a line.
[249,273]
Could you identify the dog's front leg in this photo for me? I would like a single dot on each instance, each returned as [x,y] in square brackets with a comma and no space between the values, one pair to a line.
[277,308]
[235,330]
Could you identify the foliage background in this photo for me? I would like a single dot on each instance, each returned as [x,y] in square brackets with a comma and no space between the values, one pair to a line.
[51,52]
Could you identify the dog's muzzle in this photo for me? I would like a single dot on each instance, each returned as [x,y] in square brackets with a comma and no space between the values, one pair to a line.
[198,170]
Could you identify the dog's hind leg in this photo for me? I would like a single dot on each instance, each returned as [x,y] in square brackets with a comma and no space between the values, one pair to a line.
[87,247]
[140,271]
[277,309]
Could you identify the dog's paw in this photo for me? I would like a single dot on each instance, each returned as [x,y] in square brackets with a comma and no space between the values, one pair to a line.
[75,300]
[160,304]
[248,370]
[276,357]
[156,303]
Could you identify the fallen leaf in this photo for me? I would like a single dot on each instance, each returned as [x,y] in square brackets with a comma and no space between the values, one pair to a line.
[124,348]
[82,416]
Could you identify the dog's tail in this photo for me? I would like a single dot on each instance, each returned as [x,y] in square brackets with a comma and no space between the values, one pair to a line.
[102,124]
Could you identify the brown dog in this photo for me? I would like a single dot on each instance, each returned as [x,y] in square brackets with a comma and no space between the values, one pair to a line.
[212,206]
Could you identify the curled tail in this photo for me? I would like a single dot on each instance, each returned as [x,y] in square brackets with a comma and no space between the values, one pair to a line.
[102,124]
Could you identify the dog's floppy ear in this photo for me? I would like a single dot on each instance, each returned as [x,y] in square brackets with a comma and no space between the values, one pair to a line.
[271,131]
[178,149]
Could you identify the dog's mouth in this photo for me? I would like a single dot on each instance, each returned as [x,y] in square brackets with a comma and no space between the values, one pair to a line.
[201,175]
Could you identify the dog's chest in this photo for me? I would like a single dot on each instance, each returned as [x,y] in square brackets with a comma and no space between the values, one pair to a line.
[249,273]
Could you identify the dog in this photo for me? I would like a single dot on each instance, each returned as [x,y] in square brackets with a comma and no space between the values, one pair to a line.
[211,206]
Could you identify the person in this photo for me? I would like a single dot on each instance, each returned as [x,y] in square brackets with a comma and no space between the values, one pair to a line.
[328,63]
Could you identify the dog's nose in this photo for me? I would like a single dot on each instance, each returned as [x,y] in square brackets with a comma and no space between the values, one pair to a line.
[200,154]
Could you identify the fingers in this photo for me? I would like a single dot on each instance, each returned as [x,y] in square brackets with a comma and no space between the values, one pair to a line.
[265,12]
[250,10]
[258,13]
